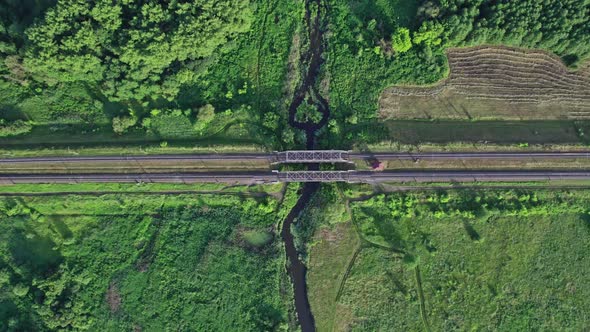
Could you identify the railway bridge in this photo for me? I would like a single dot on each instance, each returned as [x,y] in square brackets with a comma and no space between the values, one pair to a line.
[315,176]
[311,156]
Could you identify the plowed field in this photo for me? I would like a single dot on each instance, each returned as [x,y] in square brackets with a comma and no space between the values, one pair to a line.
[496,83]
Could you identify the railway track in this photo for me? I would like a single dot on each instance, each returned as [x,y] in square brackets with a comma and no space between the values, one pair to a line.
[301,176]
[11,174]
[299,156]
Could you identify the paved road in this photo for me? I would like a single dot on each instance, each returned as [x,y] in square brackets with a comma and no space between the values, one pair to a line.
[270,177]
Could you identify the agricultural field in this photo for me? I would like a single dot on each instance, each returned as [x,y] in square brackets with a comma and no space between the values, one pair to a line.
[123,261]
[495,96]
[485,259]
[495,83]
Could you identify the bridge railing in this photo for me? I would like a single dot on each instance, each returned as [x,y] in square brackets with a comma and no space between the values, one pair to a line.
[316,176]
[312,156]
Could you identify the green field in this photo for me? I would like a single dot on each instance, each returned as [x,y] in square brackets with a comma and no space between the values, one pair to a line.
[145,262]
[484,259]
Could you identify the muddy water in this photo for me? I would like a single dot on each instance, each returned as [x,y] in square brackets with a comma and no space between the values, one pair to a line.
[306,91]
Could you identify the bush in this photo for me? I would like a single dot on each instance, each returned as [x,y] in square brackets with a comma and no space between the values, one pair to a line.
[14,128]
[122,123]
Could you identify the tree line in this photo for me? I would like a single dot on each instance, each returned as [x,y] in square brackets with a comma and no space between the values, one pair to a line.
[562,27]
[128,52]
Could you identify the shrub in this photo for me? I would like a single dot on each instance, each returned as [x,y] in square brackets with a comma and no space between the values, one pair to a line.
[122,123]
[14,128]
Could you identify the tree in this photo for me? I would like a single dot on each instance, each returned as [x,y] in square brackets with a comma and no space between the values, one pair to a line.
[122,123]
[131,50]
[401,40]
[429,34]
[205,115]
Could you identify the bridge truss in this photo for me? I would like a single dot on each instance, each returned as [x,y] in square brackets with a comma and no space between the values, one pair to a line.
[315,176]
[312,156]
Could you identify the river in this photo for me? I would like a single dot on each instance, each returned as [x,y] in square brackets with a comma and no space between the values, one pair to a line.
[313,60]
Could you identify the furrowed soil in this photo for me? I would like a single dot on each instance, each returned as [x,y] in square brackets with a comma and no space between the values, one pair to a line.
[488,83]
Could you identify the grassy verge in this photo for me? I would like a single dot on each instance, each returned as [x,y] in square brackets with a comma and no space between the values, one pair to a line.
[126,150]
[134,166]
[471,164]
[125,188]
[582,184]
[460,135]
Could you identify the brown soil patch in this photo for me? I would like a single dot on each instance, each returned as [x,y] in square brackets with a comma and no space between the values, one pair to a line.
[495,83]
[330,235]
[113,297]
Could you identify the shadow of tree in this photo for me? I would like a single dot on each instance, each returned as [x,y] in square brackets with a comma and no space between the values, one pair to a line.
[385,228]
[33,253]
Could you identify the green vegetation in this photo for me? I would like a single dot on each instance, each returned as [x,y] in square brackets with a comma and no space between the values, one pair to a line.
[377,44]
[120,76]
[257,238]
[78,74]
[151,262]
[462,260]
[12,128]
[153,72]
[128,188]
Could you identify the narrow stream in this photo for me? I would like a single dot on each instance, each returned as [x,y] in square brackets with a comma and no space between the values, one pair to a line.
[295,267]
[312,59]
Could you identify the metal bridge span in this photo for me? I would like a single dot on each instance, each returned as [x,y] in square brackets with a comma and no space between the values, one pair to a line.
[312,156]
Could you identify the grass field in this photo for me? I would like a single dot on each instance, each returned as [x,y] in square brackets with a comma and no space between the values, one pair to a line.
[496,259]
[333,249]
[494,132]
[495,83]
[465,135]
[141,262]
